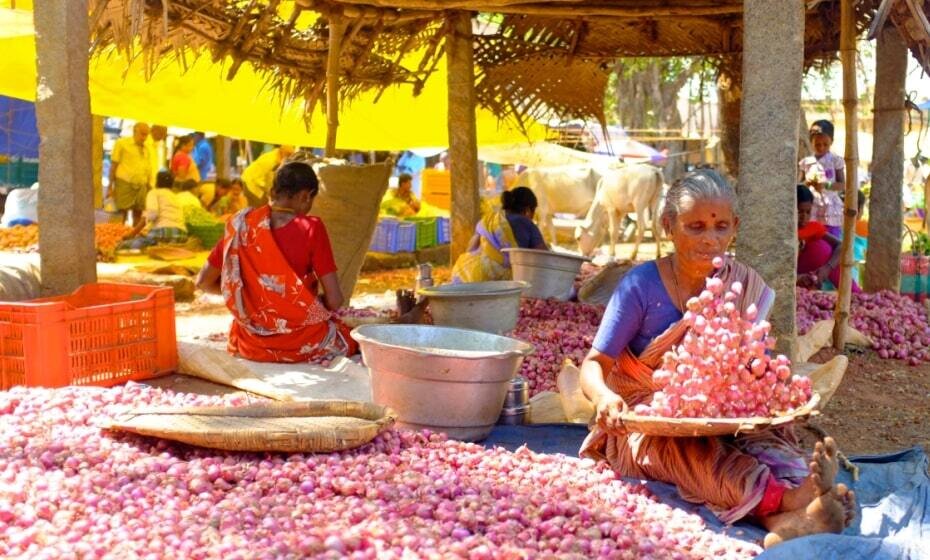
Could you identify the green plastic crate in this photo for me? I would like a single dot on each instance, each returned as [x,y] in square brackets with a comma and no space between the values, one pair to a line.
[426,232]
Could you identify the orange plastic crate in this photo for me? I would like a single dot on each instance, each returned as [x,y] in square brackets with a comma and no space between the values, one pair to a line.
[102,334]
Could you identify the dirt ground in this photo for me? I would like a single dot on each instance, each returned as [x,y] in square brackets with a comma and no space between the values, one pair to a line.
[881,406]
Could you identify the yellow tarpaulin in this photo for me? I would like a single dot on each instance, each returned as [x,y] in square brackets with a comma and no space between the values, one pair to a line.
[201,98]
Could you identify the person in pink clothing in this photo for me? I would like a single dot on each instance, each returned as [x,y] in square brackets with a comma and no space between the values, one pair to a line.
[818,251]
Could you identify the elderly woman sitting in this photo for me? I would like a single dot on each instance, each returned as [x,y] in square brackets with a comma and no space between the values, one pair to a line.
[762,476]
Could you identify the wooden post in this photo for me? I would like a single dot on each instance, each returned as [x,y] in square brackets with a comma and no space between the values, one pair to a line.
[730,96]
[767,239]
[224,163]
[882,267]
[848,59]
[97,159]
[66,192]
[337,29]
[463,134]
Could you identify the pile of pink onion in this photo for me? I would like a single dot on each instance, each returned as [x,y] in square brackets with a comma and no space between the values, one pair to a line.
[557,330]
[896,325]
[70,490]
[721,368]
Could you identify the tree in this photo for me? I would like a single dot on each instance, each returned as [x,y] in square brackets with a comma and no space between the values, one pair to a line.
[643,95]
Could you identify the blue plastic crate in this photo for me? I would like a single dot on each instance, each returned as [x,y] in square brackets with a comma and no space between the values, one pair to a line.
[406,238]
[385,237]
[443,231]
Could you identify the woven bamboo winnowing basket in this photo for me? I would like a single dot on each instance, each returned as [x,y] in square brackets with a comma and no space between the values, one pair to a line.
[598,289]
[288,427]
[696,427]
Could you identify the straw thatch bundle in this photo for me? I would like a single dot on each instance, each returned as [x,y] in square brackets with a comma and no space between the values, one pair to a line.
[533,59]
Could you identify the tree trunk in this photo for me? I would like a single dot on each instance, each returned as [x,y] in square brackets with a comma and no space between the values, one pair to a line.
[730,95]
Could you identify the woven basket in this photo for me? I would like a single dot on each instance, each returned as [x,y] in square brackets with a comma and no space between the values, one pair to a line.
[600,287]
[696,427]
[285,427]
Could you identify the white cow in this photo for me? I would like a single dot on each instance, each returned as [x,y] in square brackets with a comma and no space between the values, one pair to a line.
[635,188]
[567,189]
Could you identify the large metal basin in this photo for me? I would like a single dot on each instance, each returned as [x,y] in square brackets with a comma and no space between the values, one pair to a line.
[440,378]
[550,274]
[485,306]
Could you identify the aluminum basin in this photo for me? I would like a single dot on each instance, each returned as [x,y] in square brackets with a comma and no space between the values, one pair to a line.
[485,306]
[440,378]
[550,275]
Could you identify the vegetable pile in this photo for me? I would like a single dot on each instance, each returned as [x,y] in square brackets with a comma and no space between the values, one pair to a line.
[198,216]
[721,369]
[69,490]
[557,330]
[107,238]
[897,325]
[19,237]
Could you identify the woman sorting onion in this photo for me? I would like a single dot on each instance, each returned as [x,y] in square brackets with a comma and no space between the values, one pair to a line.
[268,267]
[511,227]
[762,476]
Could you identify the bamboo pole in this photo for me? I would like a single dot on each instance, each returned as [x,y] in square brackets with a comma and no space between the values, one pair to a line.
[337,29]
[848,59]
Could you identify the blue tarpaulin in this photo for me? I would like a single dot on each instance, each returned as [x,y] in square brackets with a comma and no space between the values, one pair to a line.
[893,493]
[19,136]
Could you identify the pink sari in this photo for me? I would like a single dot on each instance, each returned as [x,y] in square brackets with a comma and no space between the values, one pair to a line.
[728,474]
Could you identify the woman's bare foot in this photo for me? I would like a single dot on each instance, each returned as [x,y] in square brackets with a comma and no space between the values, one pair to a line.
[825,514]
[848,498]
[824,465]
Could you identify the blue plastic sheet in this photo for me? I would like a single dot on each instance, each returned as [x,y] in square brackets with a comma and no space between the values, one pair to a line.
[19,135]
[893,492]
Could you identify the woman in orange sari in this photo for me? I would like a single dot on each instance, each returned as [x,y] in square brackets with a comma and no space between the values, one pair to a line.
[268,266]
[764,476]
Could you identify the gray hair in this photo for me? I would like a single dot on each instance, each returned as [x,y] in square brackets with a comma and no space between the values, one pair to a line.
[700,184]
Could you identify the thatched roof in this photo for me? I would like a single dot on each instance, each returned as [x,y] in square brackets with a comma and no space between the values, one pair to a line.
[912,18]
[533,58]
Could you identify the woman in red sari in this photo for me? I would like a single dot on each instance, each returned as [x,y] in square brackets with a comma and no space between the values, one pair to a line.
[269,266]
[766,476]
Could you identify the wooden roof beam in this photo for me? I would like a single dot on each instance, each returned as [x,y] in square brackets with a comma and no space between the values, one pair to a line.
[563,8]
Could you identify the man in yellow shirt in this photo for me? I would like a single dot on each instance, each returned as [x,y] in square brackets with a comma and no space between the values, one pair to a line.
[131,172]
[401,202]
[259,175]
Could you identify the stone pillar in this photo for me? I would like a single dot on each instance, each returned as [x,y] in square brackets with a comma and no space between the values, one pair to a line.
[463,132]
[66,194]
[882,270]
[767,240]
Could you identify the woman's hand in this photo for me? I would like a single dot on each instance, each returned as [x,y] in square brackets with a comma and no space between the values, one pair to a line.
[609,408]
[822,274]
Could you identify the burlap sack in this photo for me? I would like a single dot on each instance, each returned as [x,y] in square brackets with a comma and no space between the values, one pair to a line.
[348,204]
[20,282]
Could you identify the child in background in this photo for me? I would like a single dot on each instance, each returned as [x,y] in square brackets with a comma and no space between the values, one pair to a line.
[220,188]
[825,173]
[233,200]
[818,250]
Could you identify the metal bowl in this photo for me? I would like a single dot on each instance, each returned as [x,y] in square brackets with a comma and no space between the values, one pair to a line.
[444,379]
[492,307]
[551,275]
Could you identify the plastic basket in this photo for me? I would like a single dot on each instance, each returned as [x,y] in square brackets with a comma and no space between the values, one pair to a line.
[102,334]
[385,237]
[426,232]
[209,236]
[406,237]
[443,231]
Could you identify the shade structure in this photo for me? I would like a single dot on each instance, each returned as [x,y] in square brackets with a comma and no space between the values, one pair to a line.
[200,97]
